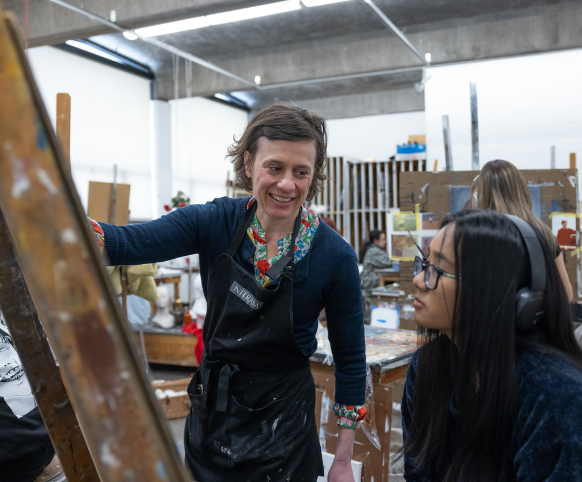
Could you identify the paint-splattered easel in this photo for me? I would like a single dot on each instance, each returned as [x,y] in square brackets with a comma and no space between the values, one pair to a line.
[49,263]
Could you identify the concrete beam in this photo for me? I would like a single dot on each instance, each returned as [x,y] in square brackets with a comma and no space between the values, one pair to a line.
[522,32]
[49,24]
[357,105]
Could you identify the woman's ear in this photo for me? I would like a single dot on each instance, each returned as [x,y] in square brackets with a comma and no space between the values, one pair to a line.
[248,164]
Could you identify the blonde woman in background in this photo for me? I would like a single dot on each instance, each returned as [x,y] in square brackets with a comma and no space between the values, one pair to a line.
[501,187]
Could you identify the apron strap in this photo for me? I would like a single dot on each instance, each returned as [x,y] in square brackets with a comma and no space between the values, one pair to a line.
[222,391]
[241,230]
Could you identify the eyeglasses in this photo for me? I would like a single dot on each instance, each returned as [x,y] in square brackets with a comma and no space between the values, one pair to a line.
[432,273]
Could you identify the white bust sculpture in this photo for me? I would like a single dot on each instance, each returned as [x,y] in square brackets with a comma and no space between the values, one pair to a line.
[163,318]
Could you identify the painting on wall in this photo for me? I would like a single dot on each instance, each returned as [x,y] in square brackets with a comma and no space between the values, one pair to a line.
[564,228]
[460,198]
[430,221]
[425,243]
[403,246]
[404,222]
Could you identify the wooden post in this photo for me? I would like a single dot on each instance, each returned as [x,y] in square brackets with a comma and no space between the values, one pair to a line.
[40,367]
[572,160]
[64,124]
[121,419]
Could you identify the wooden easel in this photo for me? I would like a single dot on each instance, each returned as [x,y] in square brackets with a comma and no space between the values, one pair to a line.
[49,261]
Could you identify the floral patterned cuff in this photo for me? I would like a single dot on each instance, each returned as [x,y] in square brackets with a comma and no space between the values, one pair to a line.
[98,231]
[349,416]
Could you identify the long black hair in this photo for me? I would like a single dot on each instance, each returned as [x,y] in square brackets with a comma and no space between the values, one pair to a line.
[479,369]
[374,236]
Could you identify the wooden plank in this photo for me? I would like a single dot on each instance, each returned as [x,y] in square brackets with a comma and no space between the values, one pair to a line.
[393,374]
[170,349]
[572,160]
[40,367]
[99,202]
[64,124]
[121,419]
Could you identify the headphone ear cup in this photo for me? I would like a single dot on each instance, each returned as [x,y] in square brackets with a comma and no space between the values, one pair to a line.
[530,308]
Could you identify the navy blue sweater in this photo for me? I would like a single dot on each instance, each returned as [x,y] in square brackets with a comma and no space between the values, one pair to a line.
[327,277]
[546,443]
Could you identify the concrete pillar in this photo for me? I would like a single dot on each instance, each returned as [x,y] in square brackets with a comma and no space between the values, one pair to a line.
[160,155]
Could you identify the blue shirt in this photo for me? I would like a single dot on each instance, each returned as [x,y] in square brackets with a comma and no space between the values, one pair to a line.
[546,440]
[327,277]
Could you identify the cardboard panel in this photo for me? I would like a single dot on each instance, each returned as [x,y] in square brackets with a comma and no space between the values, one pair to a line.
[99,204]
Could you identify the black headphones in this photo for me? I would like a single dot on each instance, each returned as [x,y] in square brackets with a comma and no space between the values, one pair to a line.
[529,302]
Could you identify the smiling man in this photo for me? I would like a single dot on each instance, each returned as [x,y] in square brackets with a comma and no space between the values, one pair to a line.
[269,265]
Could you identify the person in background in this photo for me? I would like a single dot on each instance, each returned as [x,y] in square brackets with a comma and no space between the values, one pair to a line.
[491,396]
[373,256]
[25,446]
[501,187]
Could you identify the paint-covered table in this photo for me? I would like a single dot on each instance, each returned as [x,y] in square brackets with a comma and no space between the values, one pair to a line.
[166,346]
[388,354]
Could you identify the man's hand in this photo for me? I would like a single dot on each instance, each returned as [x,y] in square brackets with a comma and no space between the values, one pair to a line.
[341,469]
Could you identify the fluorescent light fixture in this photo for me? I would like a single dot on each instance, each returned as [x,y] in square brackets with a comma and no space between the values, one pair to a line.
[317,3]
[173,27]
[428,57]
[220,18]
[222,97]
[253,12]
[258,79]
[129,35]
[92,50]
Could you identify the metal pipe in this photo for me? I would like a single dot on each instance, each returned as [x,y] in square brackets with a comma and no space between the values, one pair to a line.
[331,179]
[113,196]
[553,157]
[379,194]
[346,197]
[363,199]
[386,21]
[338,192]
[394,185]
[371,185]
[474,128]
[157,43]
[448,148]
[356,217]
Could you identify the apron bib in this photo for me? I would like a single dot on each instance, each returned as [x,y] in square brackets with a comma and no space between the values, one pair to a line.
[253,396]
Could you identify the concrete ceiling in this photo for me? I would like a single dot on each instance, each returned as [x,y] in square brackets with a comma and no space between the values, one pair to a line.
[313,43]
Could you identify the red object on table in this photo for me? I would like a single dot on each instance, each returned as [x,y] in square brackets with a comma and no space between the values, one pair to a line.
[197,332]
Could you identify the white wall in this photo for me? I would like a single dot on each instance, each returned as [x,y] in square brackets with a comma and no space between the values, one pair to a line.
[525,105]
[109,121]
[202,130]
[372,136]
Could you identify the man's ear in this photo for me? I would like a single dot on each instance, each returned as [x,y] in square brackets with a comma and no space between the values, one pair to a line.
[248,164]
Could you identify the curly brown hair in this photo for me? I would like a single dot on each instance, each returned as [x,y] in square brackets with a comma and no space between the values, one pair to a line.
[282,121]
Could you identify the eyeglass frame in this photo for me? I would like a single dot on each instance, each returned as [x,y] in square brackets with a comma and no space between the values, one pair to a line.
[440,272]
[426,264]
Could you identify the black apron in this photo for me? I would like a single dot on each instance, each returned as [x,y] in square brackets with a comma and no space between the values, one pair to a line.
[253,396]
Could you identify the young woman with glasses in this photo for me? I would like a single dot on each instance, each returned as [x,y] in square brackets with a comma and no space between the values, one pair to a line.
[483,400]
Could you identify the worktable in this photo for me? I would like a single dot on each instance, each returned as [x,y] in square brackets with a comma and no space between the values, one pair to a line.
[167,346]
[388,354]
[387,276]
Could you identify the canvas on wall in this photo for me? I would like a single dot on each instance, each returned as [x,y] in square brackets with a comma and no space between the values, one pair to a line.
[564,228]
